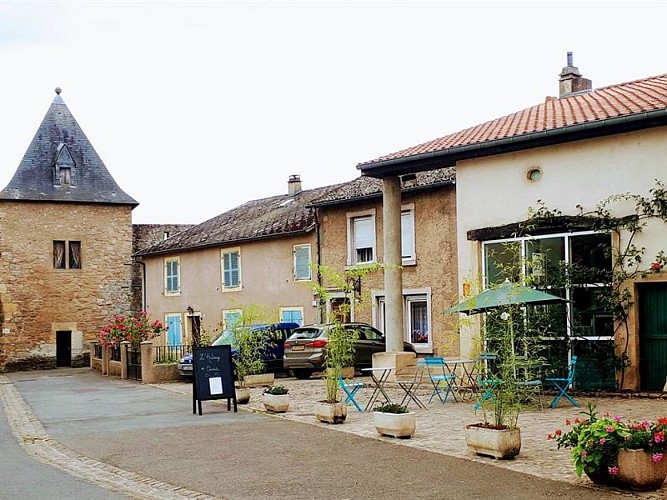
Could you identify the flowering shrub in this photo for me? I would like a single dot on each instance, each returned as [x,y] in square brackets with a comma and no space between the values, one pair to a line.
[134,329]
[595,441]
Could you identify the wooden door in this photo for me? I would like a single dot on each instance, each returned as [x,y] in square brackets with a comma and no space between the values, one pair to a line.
[653,336]
[64,348]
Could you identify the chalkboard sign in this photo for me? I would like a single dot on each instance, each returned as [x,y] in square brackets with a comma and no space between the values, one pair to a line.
[213,376]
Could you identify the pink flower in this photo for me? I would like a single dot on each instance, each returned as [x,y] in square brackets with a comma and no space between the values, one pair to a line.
[584,454]
[613,470]
[657,457]
[603,440]
[659,437]
[617,418]
[609,428]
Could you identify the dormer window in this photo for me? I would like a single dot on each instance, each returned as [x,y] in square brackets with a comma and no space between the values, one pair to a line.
[64,167]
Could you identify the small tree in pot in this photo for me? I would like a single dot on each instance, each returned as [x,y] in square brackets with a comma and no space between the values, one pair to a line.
[394,420]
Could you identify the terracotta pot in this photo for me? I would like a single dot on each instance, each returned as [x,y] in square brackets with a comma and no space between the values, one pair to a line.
[276,403]
[497,443]
[332,413]
[399,425]
[637,471]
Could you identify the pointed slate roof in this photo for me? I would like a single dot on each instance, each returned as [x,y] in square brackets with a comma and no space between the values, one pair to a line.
[608,110]
[60,144]
[266,218]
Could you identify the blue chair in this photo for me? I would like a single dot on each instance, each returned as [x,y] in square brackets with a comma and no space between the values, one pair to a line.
[563,384]
[441,380]
[486,380]
[350,388]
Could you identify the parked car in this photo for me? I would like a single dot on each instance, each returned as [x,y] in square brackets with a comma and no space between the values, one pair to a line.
[272,355]
[305,349]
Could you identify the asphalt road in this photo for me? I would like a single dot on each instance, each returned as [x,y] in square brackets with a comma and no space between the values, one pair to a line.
[244,455]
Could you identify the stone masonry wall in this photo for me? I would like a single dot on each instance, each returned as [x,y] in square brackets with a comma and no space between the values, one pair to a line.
[435,239]
[37,300]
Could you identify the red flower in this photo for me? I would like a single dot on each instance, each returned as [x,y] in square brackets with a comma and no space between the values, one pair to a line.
[656,266]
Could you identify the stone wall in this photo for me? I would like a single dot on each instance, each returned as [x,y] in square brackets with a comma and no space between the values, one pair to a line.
[37,300]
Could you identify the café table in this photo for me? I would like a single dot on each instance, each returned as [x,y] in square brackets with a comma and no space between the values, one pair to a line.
[379,376]
[410,385]
[465,377]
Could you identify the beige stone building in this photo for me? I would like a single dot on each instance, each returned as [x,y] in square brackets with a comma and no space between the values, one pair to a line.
[65,247]
[569,152]
[257,254]
[351,225]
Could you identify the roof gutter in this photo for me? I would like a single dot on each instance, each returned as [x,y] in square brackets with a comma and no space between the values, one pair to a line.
[449,157]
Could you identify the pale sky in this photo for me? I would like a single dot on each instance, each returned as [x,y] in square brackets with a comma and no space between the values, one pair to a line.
[198,106]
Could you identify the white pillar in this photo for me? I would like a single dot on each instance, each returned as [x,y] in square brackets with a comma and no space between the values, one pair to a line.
[393,274]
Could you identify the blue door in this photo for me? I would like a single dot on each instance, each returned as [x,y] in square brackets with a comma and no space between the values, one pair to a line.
[174,335]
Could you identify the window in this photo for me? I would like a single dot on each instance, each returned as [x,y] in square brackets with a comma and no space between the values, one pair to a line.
[66,254]
[172,279]
[361,238]
[416,314]
[291,315]
[231,318]
[231,270]
[408,235]
[302,259]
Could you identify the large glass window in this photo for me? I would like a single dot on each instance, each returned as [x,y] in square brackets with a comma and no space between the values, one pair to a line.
[417,316]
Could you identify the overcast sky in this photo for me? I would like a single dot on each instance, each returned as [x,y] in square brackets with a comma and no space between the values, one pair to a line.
[196,107]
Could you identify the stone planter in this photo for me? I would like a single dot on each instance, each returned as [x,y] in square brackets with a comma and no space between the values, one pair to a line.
[398,425]
[242,396]
[497,443]
[276,403]
[332,413]
[637,471]
[259,380]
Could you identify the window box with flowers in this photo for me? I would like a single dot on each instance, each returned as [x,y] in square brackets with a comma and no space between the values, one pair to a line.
[610,451]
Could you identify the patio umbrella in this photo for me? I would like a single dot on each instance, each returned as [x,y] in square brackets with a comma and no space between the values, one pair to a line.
[506,294]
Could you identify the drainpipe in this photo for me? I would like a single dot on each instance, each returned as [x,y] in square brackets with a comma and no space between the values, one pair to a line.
[143,282]
[318,245]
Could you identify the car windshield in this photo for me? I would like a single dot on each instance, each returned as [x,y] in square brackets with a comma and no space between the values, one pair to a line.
[306,333]
[226,338]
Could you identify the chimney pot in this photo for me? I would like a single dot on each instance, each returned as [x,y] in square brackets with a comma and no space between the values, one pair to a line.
[294,184]
[571,82]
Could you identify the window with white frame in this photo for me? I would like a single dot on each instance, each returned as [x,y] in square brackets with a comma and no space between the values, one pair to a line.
[172,276]
[361,238]
[231,269]
[416,315]
[302,261]
[291,315]
[408,254]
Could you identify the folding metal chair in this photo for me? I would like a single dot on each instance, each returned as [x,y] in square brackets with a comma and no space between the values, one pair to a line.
[439,376]
[563,384]
[350,388]
[532,377]
[486,380]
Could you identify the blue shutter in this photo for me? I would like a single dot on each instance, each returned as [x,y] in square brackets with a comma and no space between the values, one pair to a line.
[174,330]
[232,273]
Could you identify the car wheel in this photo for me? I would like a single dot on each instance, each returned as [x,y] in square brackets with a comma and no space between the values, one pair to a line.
[302,374]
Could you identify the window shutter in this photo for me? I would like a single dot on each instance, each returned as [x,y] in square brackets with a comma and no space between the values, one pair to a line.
[231,269]
[302,262]
[364,233]
[408,235]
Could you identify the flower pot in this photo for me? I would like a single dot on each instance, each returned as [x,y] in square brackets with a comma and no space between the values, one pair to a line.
[276,403]
[601,477]
[242,396]
[637,470]
[398,425]
[497,443]
[333,413]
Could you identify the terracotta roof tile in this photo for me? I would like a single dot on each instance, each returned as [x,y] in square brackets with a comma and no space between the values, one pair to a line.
[639,96]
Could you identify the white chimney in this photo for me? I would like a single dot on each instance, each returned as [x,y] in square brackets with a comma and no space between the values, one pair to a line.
[294,184]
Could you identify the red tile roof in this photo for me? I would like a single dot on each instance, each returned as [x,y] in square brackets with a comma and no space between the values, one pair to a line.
[614,101]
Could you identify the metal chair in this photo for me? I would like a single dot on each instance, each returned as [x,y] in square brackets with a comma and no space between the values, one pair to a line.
[436,368]
[532,377]
[486,378]
[563,384]
[350,389]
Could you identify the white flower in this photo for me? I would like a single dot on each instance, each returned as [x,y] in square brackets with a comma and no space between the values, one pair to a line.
[505,316]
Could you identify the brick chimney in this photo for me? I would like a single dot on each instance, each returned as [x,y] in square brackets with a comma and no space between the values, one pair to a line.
[571,82]
[294,184]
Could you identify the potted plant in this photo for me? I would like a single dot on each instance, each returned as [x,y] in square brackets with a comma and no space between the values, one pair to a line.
[394,420]
[248,360]
[276,399]
[612,452]
[502,399]
[339,355]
